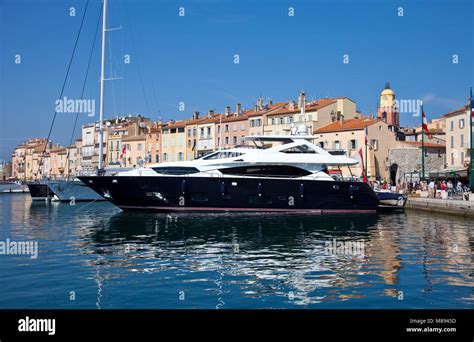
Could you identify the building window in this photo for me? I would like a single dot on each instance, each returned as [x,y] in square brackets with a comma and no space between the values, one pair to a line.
[180,156]
[337,145]
[461,123]
[227,140]
[140,147]
[462,157]
[352,144]
[259,122]
[375,144]
[452,125]
[201,132]
[452,158]
[218,129]
[194,132]
[281,121]
[208,132]
[462,140]
[242,127]
[189,132]
[321,144]
[452,141]
[226,128]
[234,140]
[235,128]
[165,156]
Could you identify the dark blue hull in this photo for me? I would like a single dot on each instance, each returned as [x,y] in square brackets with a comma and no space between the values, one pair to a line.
[178,193]
[40,191]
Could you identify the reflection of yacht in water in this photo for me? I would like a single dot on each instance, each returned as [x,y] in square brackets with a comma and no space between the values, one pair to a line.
[270,254]
[290,176]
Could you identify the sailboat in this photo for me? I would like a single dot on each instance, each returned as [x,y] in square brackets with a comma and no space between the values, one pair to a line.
[67,190]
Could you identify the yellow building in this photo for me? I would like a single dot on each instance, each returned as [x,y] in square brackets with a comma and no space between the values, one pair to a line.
[173,142]
[135,152]
[458,138]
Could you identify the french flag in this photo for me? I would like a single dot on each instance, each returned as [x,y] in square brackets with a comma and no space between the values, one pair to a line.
[124,149]
[425,122]
[472,108]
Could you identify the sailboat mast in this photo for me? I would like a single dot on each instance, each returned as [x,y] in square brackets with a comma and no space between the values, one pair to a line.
[102,78]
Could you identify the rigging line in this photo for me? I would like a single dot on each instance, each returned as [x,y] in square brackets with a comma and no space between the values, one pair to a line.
[83,87]
[64,84]
[138,60]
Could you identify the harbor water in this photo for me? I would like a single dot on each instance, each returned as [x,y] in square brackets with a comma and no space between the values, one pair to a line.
[92,255]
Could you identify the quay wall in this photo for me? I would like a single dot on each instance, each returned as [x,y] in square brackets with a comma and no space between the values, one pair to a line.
[443,206]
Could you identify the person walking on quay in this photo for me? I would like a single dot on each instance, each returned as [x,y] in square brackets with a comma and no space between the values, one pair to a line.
[450,188]
[431,189]
[459,188]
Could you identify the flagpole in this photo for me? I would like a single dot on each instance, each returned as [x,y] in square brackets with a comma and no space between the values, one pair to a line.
[471,154]
[366,155]
[422,144]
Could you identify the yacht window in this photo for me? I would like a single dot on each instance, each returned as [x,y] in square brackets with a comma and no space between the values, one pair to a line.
[299,149]
[286,171]
[222,154]
[175,170]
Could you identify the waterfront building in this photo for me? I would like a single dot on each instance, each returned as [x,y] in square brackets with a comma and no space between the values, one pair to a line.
[71,162]
[436,132]
[135,150]
[153,143]
[5,170]
[192,136]
[314,114]
[458,138]
[26,158]
[206,132]
[173,141]
[78,163]
[348,137]
[58,158]
[231,128]
[405,160]
[257,116]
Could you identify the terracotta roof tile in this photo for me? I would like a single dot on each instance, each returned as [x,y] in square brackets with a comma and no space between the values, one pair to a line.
[310,107]
[347,125]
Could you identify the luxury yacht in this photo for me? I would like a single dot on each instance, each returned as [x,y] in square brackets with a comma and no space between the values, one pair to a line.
[39,191]
[291,175]
[6,186]
[74,189]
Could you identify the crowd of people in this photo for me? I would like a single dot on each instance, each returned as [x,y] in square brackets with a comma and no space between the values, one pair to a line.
[435,188]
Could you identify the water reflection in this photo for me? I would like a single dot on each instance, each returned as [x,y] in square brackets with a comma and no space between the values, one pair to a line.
[146,260]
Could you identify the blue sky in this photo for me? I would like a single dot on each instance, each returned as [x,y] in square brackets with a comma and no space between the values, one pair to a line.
[191,58]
